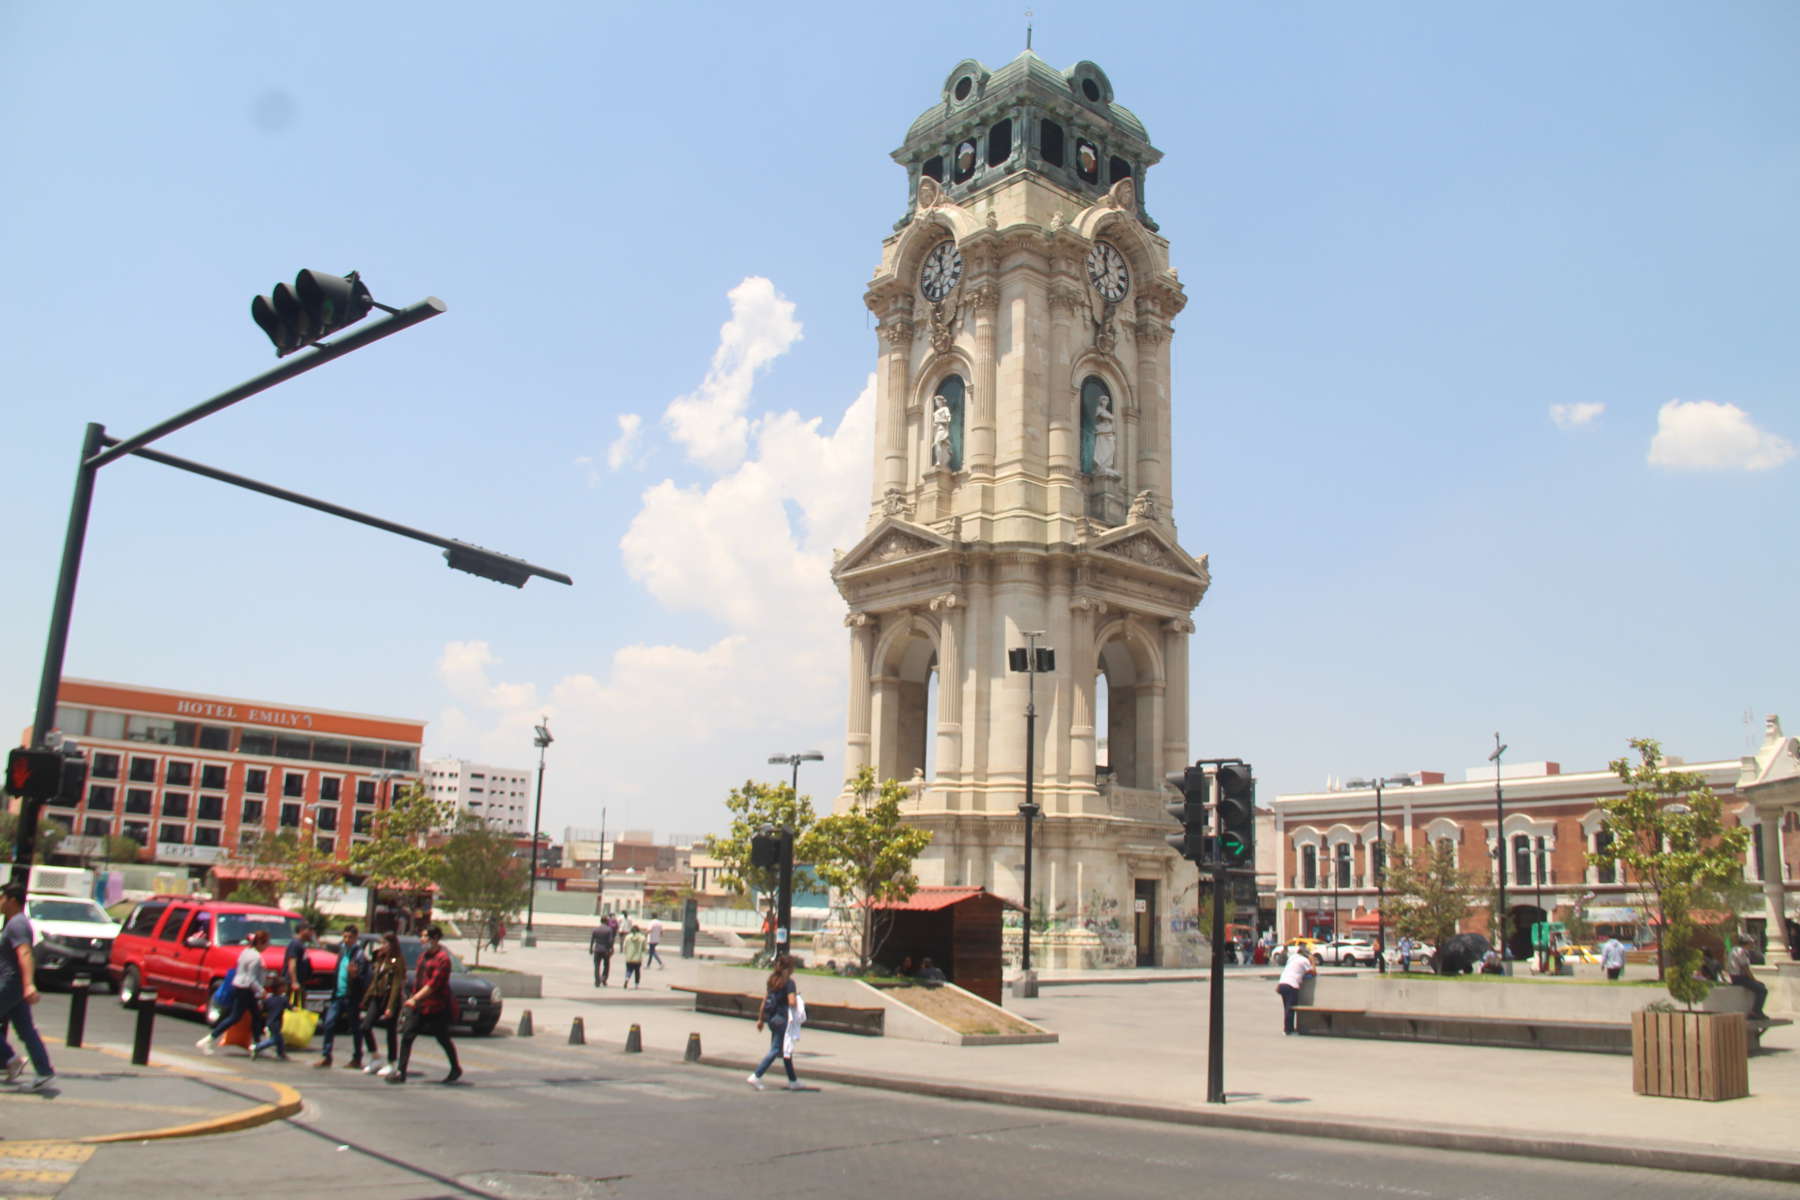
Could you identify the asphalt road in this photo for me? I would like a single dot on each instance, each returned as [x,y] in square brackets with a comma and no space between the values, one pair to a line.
[540,1120]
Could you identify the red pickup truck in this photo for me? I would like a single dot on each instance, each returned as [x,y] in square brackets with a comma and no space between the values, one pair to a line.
[182,946]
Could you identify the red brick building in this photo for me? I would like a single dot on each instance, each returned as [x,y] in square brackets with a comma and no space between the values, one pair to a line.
[186,775]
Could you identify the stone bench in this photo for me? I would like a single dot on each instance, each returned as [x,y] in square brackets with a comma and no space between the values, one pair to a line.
[1594,1037]
[837,1018]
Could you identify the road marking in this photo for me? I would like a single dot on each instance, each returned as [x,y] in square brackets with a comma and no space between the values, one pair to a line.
[49,1165]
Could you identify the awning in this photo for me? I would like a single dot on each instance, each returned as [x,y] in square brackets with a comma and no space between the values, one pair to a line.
[1612,916]
[1368,921]
[936,899]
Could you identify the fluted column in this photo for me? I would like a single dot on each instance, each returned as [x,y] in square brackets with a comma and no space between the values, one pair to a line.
[985,299]
[1083,612]
[1153,405]
[856,738]
[1065,427]
[1176,632]
[948,757]
[896,352]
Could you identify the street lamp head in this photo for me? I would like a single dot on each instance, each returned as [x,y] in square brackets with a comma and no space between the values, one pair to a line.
[1498,751]
[543,737]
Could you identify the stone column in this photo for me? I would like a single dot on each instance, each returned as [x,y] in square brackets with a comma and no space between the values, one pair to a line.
[1176,632]
[1066,300]
[1083,611]
[1153,406]
[980,432]
[950,684]
[896,352]
[862,646]
[1774,889]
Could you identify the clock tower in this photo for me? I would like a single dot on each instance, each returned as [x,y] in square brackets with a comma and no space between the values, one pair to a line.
[1022,486]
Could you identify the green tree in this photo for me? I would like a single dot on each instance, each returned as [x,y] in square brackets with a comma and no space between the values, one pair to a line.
[49,837]
[398,853]
[479,881]
[752,807]
[122,849]
[1427,895]
[1668,831]
[284,862]
[866,855]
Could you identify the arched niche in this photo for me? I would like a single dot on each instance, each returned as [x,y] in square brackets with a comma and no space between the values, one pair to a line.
[1133,673]
[906,662]
[953,388]
[1094,393]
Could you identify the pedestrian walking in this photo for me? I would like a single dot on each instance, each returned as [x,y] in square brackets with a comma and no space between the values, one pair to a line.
[1293,977]
[1612,957]
[249,983]
[780,1003]
[382,1001]
[346,999]
[1737,969]
[296,963]
[635,943]
[18,991]
[274,1006]
[656,928]
[428,1009]
[1405,946]
[600,945]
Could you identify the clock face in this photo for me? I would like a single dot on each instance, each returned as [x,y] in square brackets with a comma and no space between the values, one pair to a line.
[942,269]
[1106,271]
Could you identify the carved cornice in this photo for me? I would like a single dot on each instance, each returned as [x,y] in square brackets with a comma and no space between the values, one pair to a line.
[944,602]
[1178,625]
[1152,332]
[984,298]
[1088,604]
[895,503]
[897,332]
[857,620]
[1144,549]
[1064,295]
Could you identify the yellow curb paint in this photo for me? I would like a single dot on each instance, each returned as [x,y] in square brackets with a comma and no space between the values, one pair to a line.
[287,1104]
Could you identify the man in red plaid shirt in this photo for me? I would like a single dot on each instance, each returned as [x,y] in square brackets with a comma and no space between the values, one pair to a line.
[428,1009]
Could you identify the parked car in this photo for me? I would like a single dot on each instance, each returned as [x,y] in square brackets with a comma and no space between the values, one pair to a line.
[1305,944]
[72,938]
[1345,952]
[478,1000]
[1421,956]
[182,946]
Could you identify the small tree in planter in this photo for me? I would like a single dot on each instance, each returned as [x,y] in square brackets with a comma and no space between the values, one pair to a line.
[1428,897]
[1668,830]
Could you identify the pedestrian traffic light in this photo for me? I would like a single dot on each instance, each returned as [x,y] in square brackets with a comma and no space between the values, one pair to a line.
[1237,815]
[1196,823]
[318,305]
[35,774]
[765,850]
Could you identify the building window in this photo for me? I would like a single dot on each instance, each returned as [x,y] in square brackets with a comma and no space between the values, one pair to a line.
[212,775]
[333,750]
[1343,864]
[1050,142]
[288,746]
[362,822]
[326,845]
[137,831]
[999,142]
[1756,852]
[108,725]
[212,808]
[256,781]
[1309,866]
[175,804]
[143,770]
[1521,851]
[253,812]
[329,788]
[100,798]
[215,737]
[1606,872]
[206,835]
[262,744]
[365,791]
[179,774]
[1117,169]
[96,827]
[175,835]
[1543,874]
[293,785]
[1378,861]
[328,819]
[290,816]
[137,800]
[934,168]
[104,766]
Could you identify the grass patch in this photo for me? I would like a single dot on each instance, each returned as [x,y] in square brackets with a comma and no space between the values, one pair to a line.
[1527,980]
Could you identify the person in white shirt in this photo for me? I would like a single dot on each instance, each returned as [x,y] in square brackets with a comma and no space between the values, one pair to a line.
[249,984]
[1612,957]
[655,937]
[1293,976]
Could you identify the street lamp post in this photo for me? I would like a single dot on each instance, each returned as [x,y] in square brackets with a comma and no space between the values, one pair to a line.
[1500,849]
[1379,870]
[784,891]
[541,740]
[1030,660]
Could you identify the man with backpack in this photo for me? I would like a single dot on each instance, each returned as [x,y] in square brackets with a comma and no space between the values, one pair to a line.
[346,998]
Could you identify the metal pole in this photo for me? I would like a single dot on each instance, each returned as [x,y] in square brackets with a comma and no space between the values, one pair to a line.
[1380,886]
[784,895]
[1215,1033]
[537,814]
[1500,855]
[600,895]
[1029,809]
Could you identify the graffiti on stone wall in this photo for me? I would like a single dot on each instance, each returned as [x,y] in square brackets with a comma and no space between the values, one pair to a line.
[1186,937]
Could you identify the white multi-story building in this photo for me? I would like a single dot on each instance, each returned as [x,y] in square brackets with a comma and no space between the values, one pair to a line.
[500,795]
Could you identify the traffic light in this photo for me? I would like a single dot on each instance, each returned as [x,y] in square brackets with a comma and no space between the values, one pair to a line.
[74,775]
[1237,815]
[35,774]
[1192,843]
[318,305]
[765,850]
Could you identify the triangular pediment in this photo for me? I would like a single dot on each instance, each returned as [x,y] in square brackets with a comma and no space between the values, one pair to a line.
[1147,545]
[891,540]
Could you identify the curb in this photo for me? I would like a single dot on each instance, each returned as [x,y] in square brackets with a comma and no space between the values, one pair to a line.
[287,1103]
[1444,1137]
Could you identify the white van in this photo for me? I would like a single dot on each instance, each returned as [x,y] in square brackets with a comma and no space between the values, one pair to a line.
[71,936]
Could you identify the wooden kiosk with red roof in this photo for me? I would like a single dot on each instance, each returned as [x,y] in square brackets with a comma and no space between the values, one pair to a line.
[958,928]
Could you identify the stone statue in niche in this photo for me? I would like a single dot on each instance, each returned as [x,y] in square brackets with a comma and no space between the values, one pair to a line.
[941,452]
[1106,446]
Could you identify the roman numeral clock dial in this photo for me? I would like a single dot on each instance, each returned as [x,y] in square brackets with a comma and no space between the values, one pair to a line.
[1106,271]
[941,272]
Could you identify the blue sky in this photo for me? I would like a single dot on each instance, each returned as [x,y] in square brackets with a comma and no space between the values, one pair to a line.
[1486,389]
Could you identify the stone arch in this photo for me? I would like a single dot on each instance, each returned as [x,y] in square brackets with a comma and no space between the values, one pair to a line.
[931,226]
[1128,656]
[1445,830]
[1307,841]
[905,659]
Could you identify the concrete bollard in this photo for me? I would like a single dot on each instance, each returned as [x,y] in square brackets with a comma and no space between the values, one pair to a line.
[692,1054]
[577,1033]
[78,998]
[146,1028]
[525,1024]
[634,1040]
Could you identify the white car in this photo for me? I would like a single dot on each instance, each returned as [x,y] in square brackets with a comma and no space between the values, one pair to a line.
[1345,952]
[71,936]
[1421,955]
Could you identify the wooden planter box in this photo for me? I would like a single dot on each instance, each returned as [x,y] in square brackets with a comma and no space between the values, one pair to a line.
[1690,1055]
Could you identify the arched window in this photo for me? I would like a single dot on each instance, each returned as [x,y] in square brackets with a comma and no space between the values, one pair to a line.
[1309,866]
[1606,872]
[1521,845]
[1543,863]
[952,390]
[1050,142]
[1343,864]
[1097,456]
[999,147]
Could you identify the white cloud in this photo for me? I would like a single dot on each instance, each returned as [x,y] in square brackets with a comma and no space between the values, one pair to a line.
[750,550]
[1705,435]
[631,428]
[1574,416]
[709,422]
